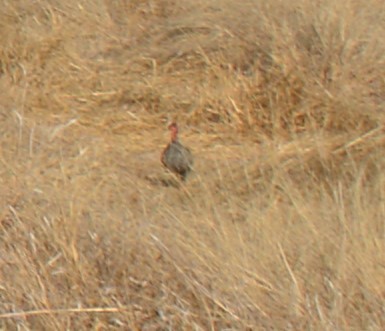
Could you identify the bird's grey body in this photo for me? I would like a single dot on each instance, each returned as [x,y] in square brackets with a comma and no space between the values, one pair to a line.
[178,159]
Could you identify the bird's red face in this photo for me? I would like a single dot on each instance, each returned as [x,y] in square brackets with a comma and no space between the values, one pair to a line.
[173,127]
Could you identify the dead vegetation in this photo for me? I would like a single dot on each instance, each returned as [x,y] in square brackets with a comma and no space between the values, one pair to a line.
[281,225]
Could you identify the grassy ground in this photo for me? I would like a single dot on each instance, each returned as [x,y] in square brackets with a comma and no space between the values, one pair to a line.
[282,224]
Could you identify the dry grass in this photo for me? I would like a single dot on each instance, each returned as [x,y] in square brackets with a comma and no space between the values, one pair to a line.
[280,227]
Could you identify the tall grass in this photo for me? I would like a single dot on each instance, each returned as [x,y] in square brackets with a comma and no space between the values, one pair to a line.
[280,226]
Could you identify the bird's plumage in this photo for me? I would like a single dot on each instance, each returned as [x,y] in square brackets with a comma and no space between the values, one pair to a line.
[176,157]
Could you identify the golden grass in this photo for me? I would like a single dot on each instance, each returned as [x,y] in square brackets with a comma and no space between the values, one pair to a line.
[281,224]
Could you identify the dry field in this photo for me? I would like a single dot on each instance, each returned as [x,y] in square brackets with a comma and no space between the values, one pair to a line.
[281,226]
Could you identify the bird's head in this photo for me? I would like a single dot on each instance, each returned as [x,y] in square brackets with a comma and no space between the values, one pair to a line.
[173,127]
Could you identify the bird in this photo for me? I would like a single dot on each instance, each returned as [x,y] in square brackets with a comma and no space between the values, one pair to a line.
[176,157]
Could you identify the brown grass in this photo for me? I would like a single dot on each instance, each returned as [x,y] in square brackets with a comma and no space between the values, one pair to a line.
[281,225]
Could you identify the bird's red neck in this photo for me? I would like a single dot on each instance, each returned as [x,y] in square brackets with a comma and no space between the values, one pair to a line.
[174,133]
